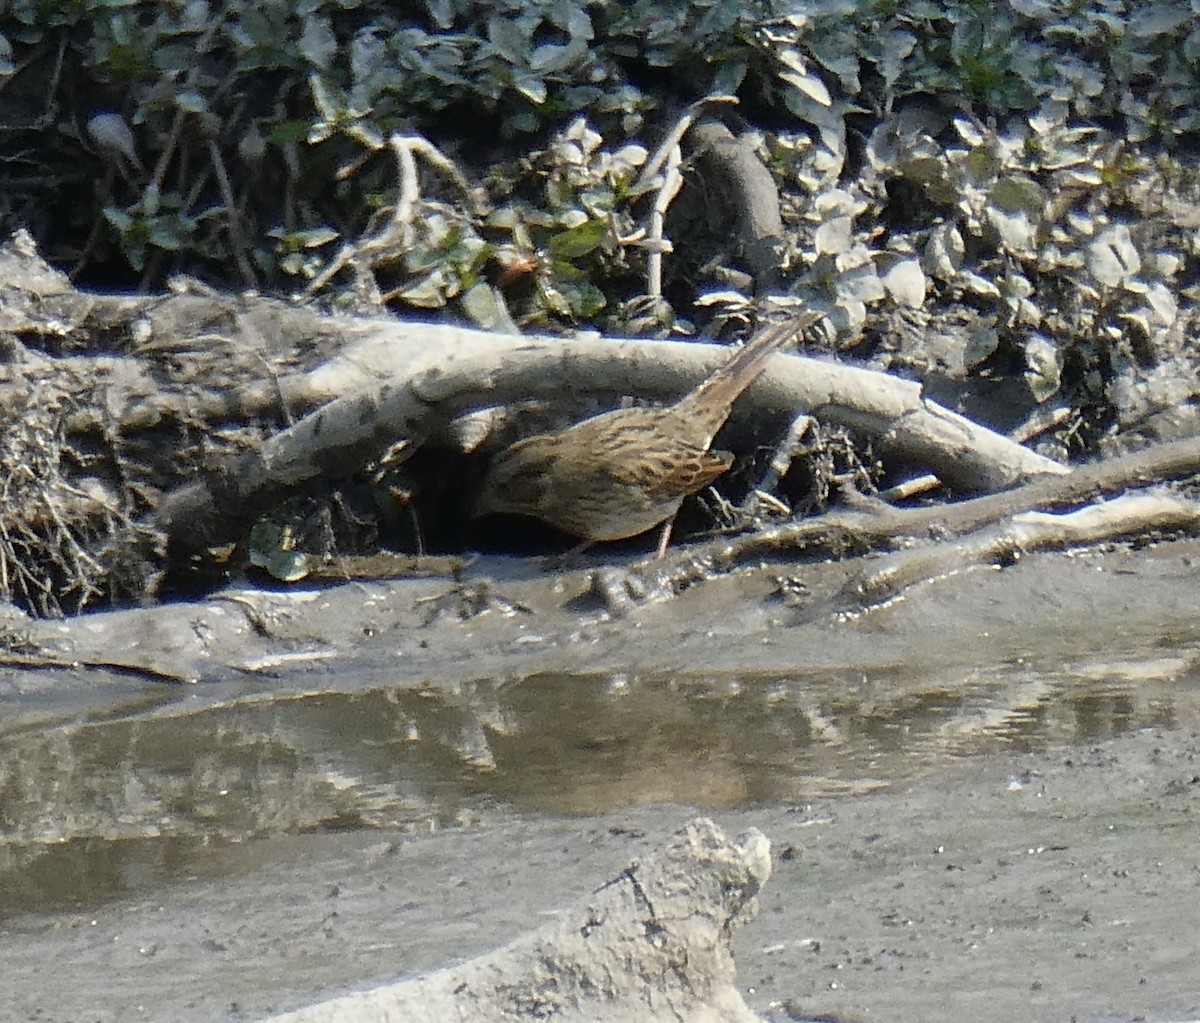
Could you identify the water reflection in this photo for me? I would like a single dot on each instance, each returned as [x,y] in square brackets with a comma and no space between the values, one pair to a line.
[95,808]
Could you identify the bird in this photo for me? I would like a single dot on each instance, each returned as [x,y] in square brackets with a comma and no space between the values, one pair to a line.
[621,473]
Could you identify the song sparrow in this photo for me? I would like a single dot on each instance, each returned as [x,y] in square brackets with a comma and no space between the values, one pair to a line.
[623,472]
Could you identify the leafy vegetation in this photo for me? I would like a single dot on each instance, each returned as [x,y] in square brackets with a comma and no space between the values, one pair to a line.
[1016,159]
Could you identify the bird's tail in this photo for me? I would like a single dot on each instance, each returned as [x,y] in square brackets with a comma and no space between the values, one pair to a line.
[716,395]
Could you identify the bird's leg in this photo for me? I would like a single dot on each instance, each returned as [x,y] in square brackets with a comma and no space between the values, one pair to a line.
[568,560]
[664,539]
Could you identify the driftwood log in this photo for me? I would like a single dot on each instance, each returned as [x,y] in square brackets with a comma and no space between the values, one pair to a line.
[141,434]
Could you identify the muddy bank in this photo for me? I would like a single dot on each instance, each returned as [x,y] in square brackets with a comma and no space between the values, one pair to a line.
[509,618]
[982,800]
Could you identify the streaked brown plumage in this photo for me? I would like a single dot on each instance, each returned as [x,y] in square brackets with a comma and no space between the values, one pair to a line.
[623,472]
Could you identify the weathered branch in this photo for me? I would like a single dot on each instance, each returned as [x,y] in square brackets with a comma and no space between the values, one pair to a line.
[444,371]
[881,526]
[1024,533]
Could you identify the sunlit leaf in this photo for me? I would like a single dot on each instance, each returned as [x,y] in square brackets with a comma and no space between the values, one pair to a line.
[810,85]
[834,236]
[976,284]
[533,89]
[862,284]
[1016,232]
[486,308]
[1162,301]
[1112,257]
[905,282]
[944,251]
[1158,18]
[1043,372]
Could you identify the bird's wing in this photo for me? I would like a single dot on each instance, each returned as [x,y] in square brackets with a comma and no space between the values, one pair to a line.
[664,476]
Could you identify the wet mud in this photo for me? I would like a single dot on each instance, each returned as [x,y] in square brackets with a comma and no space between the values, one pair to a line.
[982,802]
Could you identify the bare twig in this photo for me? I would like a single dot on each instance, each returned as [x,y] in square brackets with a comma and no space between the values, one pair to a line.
[232,218]
[673,138]
[655,243]
[397,235]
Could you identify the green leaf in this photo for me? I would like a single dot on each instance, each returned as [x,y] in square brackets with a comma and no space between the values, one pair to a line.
[586,300]
[150,200]
[314,237]
[289,131]
[485,307]
[561,270]
[119,219]
[166,234]
[271,548]
[427,293]
[578,241]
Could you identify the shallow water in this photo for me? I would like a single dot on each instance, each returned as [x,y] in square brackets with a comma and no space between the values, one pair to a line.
[96,809]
